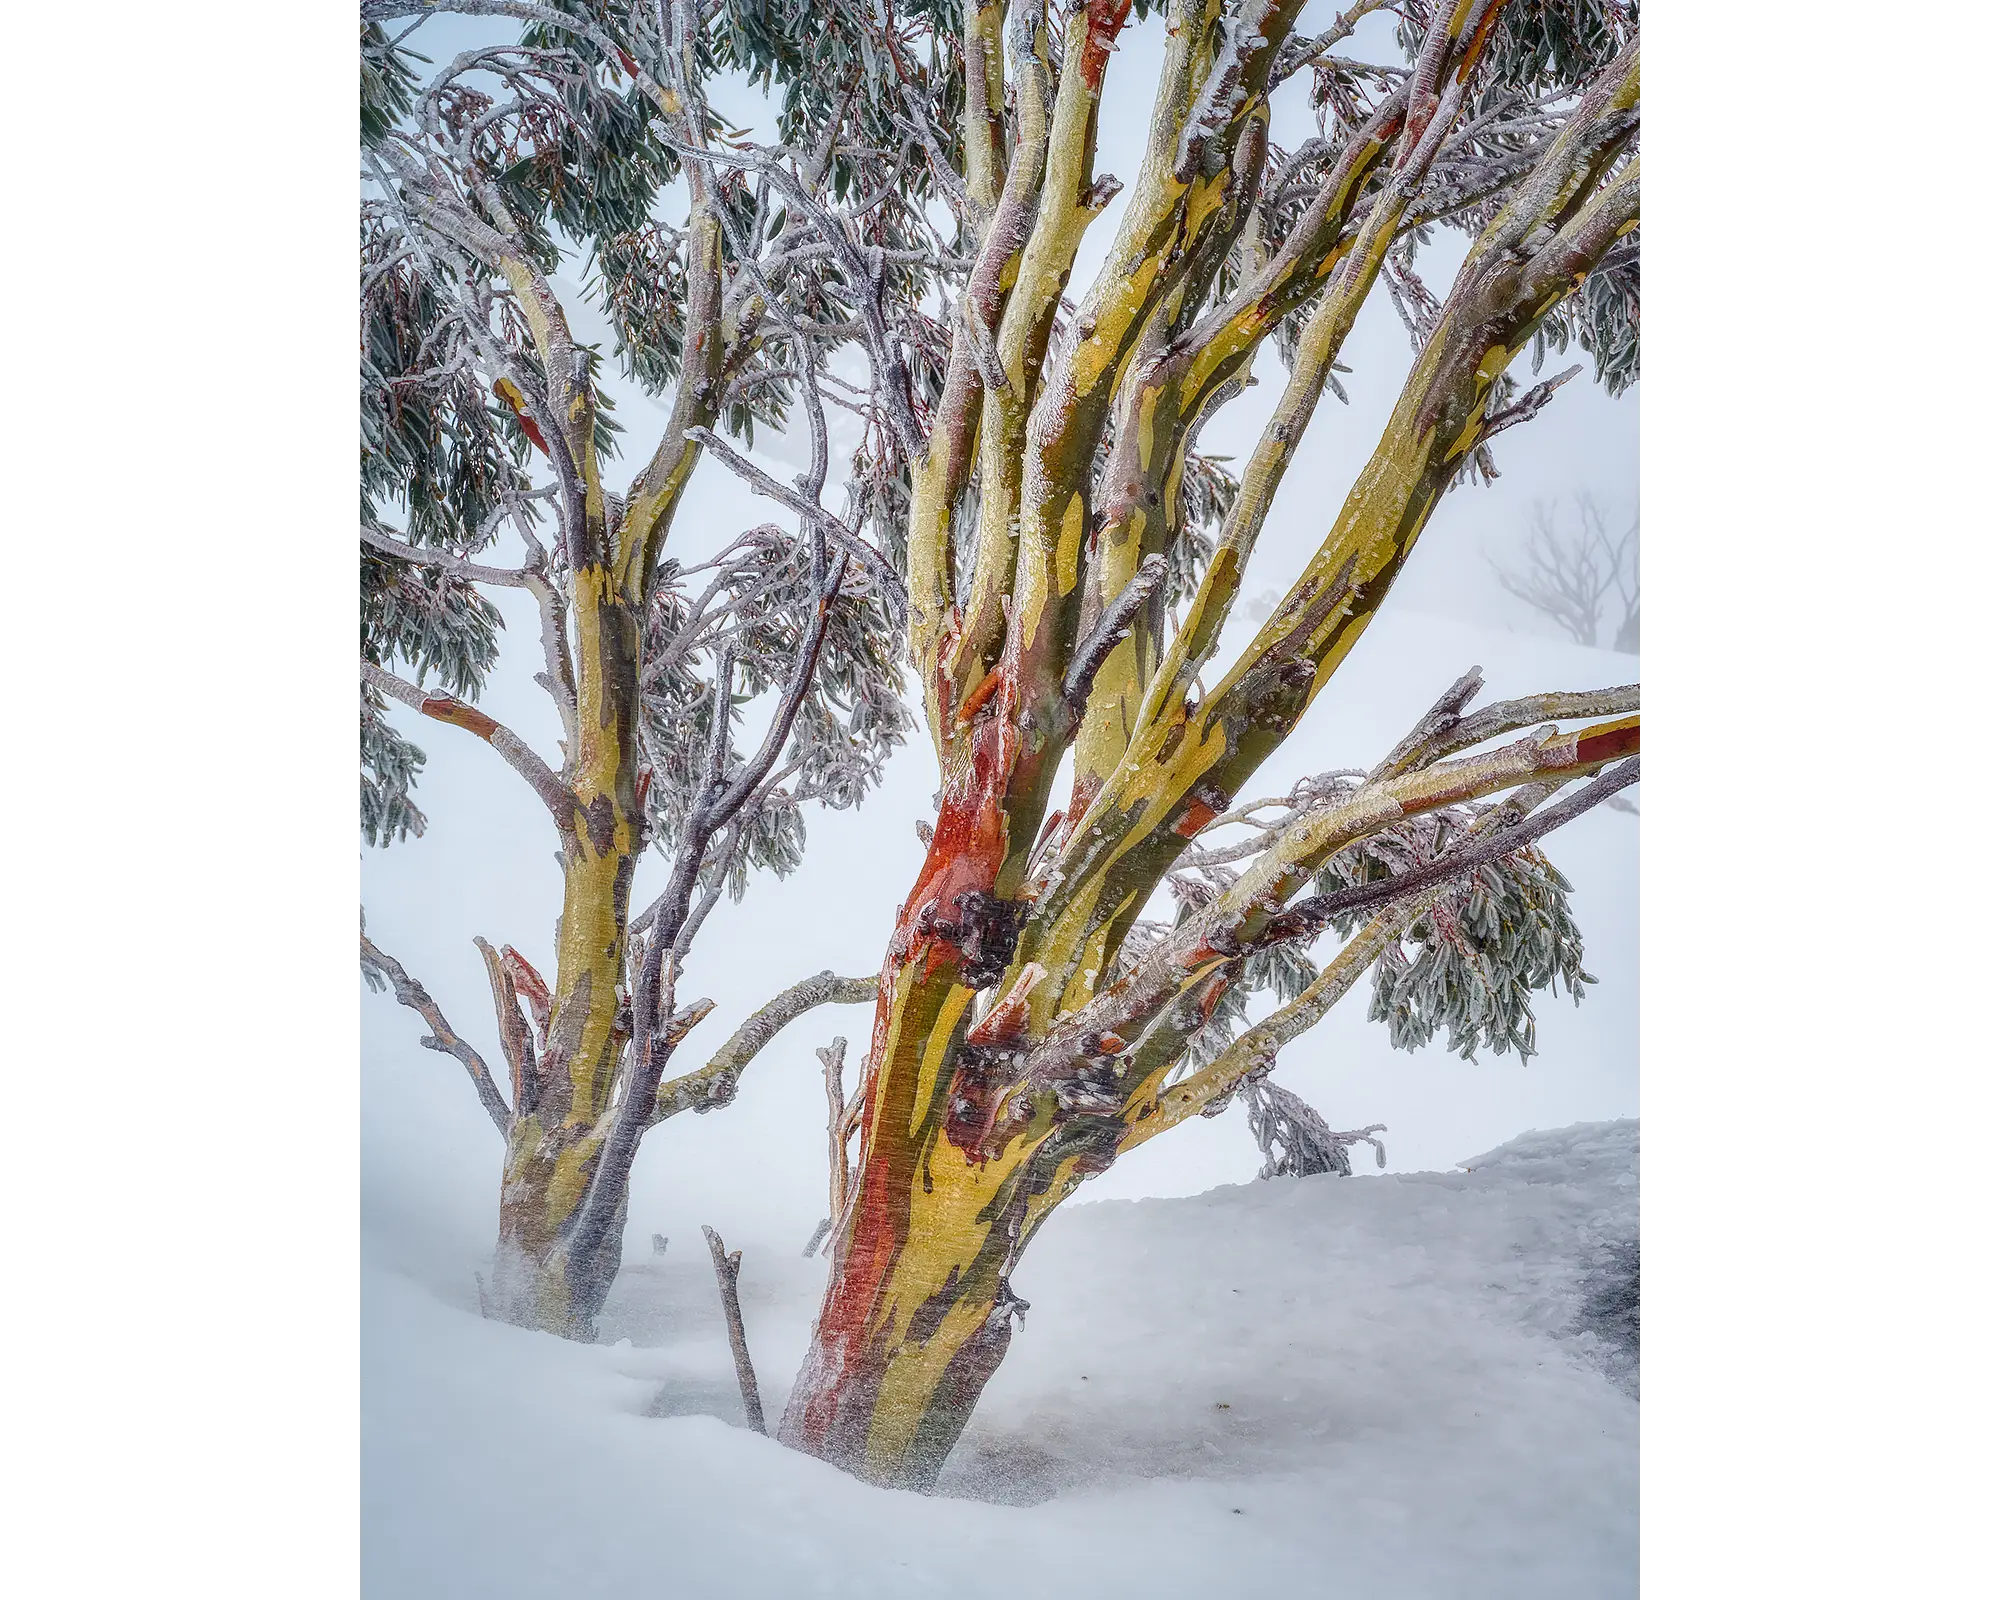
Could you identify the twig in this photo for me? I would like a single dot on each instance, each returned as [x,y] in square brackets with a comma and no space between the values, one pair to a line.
[726,1268]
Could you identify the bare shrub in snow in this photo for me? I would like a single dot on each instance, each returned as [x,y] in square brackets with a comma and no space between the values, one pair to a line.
[1579,578]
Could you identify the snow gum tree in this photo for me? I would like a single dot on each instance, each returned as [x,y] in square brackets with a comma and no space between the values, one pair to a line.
[1069,974]
[1032,1024]
[569,143]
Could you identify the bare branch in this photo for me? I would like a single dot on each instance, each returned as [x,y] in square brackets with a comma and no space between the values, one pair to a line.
[516,1042]
[1111,627]
[726,1269]
[715,1084]
[1440,735]
[1444,715]
[832,1060]
[457,566]
[379,965]
[513,749]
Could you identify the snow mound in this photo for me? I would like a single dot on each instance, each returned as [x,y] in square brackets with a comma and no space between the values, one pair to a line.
[1392,1384]
[1587,1151]
[1604,1155]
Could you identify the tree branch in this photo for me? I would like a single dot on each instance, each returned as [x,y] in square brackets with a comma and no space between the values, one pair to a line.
[1445,714]
[1111,627]
[715,1084]
[513,749]
[377,963]
[1445,732]
[1237,921]
[832,1060]
[1406,897]
[1313,913]
[517,1043]
[457,566]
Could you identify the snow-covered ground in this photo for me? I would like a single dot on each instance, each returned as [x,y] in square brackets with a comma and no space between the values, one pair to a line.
[1383,1384]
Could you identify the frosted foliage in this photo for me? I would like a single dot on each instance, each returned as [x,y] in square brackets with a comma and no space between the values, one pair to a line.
[1294,1138]
[1470,966]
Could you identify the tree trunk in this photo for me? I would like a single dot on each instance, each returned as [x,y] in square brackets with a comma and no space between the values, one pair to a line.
[913,1324]
[544,1275]
[973,1128]
[918,1309]
[537,1282]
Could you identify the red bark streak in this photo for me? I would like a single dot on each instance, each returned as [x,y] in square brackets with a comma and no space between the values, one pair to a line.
[1418,120]
[969,842]
[517,404]
[1082,796]
[1198,815]
[1007,1022]
[529,986]
[1477,47]
[1105,19]
[973,1121]
[981,693]
[840,1338]
[1211,994]
[1048,830]
[444,708]
[967,848]
[1608,743]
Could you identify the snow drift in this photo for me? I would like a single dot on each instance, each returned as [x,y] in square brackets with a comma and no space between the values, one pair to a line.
[1414,1385]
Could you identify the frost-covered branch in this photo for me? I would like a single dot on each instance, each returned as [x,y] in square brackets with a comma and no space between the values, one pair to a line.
[379,967]
[715,1084]
[513,749]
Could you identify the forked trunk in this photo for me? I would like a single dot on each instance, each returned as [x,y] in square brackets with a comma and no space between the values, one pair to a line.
[974,1128]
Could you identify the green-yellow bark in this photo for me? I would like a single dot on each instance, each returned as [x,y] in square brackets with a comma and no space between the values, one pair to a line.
[1006,1065]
